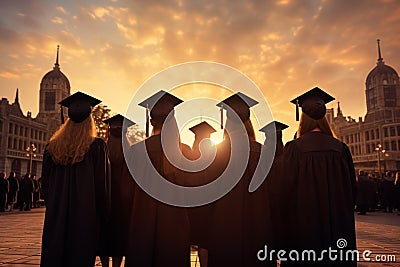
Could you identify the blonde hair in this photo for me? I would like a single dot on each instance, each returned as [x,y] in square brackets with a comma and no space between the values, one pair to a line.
[72,141]
[308,124]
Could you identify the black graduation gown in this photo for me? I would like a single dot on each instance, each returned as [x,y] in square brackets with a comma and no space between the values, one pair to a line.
[316,193]
[267,193]
[236,220]
[115,235]
[159,233]
[77,201]
[198,216]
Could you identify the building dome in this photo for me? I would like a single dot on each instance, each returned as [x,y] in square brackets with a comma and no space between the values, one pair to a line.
[381,72]
[55,77]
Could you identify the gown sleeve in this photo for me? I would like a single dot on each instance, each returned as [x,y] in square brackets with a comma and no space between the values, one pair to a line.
[46,165]
[283,193]
[352,172]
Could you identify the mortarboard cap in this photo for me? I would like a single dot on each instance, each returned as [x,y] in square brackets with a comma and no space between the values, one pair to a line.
[279,126]
[238,99]
[202,128]
[240,103]
[313,103]
[79,106]
[118,120]
[158,106]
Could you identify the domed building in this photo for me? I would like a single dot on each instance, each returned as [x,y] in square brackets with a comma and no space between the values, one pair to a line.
[54,87]
[22,137]
[375,141]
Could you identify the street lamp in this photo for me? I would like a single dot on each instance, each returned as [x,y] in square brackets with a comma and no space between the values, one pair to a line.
[31,154]
[378,150]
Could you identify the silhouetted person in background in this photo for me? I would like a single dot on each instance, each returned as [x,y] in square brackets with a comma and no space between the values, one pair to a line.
[366,192]
[388,192]
[76,188]
[114,238]
[278,127]
[317,187]
[159,232]
[273,176]
[199,216]
[4,189]
[202,133]
[36,193]
[236,224]
[14,188]
[26,191]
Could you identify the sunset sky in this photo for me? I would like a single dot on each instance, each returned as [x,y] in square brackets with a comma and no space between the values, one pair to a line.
[108,48]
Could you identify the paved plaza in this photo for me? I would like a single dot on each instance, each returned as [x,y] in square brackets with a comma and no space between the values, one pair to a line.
[20,237]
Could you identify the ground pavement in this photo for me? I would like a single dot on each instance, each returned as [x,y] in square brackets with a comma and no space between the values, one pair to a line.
[20,237]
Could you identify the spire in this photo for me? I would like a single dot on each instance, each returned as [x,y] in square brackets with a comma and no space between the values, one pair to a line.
[339,111]
[56,65]
[380,59]
[16,97]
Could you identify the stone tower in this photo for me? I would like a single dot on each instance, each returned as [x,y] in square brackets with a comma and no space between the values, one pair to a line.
[382,90]
[54,87]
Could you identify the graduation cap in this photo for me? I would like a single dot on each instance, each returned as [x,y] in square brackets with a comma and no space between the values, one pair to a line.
[118,120]
[79,106]
[158,106]
[312,103]
[240,103]
[203,128]
[279,126]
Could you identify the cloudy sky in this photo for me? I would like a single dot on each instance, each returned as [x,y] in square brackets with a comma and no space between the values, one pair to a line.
[108,48]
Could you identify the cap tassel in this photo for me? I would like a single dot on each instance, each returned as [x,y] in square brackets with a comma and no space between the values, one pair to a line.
[62,115]
[147,121]
[297,110]
[222,117]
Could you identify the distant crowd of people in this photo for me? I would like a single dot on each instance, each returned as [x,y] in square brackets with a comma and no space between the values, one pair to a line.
[378,192]
[23,193]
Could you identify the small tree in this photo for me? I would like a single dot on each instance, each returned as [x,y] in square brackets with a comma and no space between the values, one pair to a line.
[101,113]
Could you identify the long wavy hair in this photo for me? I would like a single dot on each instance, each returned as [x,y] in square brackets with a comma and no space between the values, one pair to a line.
[308,124]
[72,141]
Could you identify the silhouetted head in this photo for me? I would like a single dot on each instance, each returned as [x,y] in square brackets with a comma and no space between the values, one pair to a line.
[312,103]
[116,125]
[79,106]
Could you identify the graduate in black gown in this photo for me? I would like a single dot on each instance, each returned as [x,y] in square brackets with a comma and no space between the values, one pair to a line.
[159,232]
[114,238]
[199,216]
[76,188]
[235,220]
[317,189]
[273,128]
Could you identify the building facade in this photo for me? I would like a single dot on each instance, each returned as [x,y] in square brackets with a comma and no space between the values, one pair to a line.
[22,137]
[375,140]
